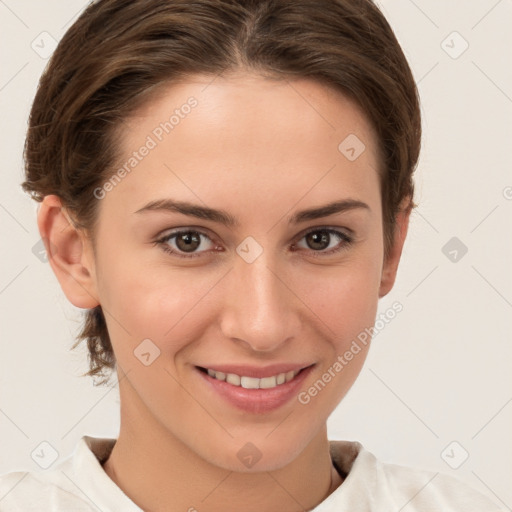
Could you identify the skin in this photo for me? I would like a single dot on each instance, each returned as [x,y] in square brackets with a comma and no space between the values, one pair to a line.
[261,150]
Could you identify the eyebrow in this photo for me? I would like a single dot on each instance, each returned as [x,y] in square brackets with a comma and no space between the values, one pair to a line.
[223,217]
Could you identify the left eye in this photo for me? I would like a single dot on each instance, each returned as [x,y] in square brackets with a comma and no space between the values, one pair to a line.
[322,236]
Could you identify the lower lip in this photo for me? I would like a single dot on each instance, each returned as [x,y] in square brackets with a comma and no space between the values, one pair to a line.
[257,401]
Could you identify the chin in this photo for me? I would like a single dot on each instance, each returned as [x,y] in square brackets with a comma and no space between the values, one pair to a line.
[253,454]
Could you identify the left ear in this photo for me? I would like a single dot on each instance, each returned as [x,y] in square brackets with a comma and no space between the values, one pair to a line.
[390,266]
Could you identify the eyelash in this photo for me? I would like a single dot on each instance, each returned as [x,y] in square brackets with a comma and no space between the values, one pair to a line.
[162,242]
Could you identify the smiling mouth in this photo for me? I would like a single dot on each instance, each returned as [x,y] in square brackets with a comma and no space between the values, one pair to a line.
[246,382]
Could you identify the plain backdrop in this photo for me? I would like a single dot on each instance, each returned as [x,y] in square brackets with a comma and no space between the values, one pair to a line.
[435,391]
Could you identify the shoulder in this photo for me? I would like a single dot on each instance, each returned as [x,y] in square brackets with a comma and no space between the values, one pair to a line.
[69,486]
[421,490]
[32,490]
[384,486]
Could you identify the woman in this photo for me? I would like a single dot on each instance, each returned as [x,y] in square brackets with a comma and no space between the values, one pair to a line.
[225,188]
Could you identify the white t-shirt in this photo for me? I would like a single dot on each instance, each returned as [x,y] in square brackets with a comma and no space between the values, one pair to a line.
[80,484]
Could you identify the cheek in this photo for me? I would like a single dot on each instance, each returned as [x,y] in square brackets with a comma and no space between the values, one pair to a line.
[345,303]
[343,297]
[154,302]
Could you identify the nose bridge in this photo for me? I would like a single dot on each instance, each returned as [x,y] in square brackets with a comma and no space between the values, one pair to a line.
[260,310]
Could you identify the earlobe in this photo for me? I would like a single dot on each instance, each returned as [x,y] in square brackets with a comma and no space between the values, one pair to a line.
[68,253]
[390,266]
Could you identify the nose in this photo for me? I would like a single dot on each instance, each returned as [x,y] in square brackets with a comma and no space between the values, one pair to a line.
[259,307]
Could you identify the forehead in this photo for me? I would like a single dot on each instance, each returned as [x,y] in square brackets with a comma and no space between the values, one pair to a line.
[247,133]
[250,106]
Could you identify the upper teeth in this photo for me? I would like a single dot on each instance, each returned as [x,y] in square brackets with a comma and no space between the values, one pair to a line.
[254,382]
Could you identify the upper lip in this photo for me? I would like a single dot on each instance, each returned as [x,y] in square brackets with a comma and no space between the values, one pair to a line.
[255,371]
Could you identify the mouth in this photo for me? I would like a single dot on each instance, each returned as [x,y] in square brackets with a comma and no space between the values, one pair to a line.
[255,390]
[248,382]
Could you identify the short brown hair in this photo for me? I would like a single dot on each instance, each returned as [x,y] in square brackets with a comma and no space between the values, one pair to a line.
[119,53]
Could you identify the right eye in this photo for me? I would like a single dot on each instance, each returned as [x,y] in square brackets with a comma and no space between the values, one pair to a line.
[183,243]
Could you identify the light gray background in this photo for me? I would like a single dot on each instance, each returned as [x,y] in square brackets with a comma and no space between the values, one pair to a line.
[438,373]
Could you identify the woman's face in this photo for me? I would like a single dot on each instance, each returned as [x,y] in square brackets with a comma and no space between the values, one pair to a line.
[255,286]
